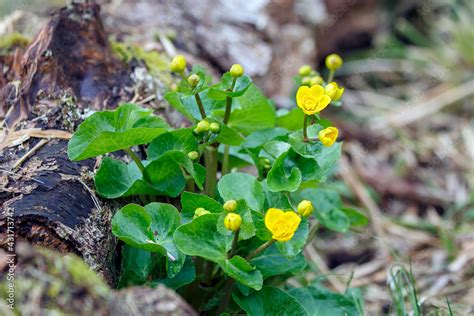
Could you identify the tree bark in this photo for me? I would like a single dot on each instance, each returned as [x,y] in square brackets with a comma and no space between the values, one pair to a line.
[68,69]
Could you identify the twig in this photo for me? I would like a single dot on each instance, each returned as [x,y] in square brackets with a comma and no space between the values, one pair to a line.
[314,256]
[30,152]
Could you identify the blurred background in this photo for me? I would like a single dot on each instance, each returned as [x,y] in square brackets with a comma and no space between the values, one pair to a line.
[406,121]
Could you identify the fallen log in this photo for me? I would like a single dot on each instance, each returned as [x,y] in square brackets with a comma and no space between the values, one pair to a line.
[69,68]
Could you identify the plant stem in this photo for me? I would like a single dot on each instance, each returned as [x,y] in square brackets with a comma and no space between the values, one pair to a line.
[229,285]
[200,106]
[260,249]
[225,160]
[331,76]
[235,241]
[312,234]
[228,104]
[210,159]
[135,158]
[305,128]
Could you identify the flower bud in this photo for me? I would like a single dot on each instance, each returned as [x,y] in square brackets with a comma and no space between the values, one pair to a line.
[215,127]
[304,70]
[193,155]
[333,62]
[306,81]
[178,64]
[193,80]
[305,208]
[202,126]
[333,91]
[236,70]
[232,221]
[328,136]
[316,80]
[266,164]
[200,211]
[230,205]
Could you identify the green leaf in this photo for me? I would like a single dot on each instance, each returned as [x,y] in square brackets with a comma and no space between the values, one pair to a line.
[116,179]
[261,230]
[356,218]
[228,135]
[269,301]
[181,140]
[201,238]
[292,120]
[149,228]
[251,112]
[173,98]
[185,276]
[321,302]
[210,105]
[165,173]
[294,246]
[109,131]
[191,201]
[259,138]
[238,186]
[271,262]
[137,266]
[327,204]
[239,269]
[221,90]
[275,199]
[247,229]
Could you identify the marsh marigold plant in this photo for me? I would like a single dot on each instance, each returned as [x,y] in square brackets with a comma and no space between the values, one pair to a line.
[194,221]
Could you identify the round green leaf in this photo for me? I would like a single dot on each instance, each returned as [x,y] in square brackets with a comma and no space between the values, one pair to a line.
[242,186]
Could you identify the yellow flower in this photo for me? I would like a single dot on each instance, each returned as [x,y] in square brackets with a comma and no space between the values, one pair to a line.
[230,205]
[312,100]
[236,70]
[282,225]
[178,64]
[333,62]
[232,221]
[333,91]
[305,208]
[328,136]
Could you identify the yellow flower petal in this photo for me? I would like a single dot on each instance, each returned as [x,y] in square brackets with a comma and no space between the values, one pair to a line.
[317,91]
[301,94]
[323,103]
[273,216]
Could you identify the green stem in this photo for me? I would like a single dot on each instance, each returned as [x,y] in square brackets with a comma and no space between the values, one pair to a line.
[210,159]
[312,234]
[260,249]
[225,160]
[229,285]
[200,106]
[135,158]
[235,242]
[305,128]
[228,104]
[331,76]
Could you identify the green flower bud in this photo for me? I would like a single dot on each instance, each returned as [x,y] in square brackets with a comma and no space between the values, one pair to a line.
[236,70]
[193,80]
[230,205]
[215,128]
[306,81]
[304,70]
[202,126]
[193,155]
[200,211]
[266,164]
[305,208]
[333,62]
[178,64]
[316,80]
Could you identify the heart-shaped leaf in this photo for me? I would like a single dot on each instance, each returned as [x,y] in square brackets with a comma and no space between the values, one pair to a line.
[221,90]
[150,228]
[181,140]
[109,131]
[271,262]
[239,269]
[242,186]
[270,301]
[191,201]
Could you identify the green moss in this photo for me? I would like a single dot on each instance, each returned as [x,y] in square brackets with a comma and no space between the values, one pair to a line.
[13,40]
